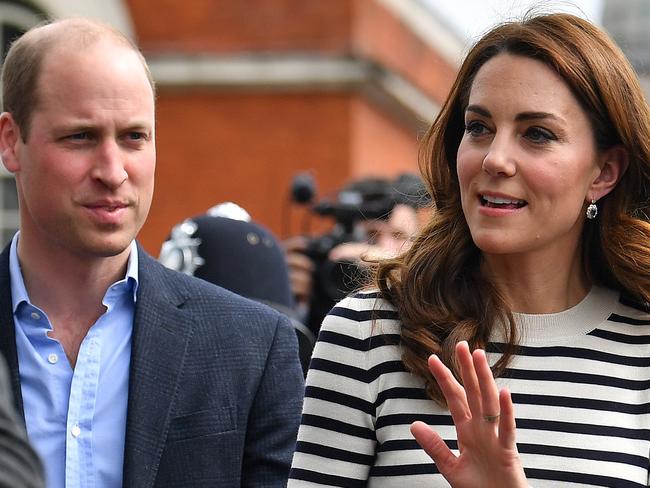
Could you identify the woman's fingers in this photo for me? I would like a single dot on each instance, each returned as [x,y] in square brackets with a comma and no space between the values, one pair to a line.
[470,380]
[489,393]
[507,427]
[451,389]
[434,446]
[478,396]
[484,421]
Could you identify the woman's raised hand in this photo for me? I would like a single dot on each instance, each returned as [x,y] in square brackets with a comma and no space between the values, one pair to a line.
[485,426]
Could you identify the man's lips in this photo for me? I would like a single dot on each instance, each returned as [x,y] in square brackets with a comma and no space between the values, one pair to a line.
[107,208]
[107,212]
[108,205]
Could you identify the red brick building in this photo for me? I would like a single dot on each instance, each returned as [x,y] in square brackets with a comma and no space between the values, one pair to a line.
[250,93]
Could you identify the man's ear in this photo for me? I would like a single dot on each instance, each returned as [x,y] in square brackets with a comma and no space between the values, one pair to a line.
[613,165]
[10,138]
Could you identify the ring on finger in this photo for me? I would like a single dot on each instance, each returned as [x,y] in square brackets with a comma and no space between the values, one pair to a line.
[492,419]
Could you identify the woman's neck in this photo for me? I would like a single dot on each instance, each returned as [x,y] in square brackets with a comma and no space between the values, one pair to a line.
[538,284]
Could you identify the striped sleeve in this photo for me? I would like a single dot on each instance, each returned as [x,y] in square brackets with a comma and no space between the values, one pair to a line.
[337,442]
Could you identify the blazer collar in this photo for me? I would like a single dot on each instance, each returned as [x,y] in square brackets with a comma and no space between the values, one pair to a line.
[158,346]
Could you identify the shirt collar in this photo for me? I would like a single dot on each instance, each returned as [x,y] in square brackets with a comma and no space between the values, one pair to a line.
[132,269]
[19,292]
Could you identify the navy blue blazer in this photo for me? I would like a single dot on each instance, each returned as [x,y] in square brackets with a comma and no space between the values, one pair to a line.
[215,387]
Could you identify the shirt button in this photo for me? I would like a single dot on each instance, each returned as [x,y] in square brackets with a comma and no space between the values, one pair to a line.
[75,431]
[52,358]
[35,315]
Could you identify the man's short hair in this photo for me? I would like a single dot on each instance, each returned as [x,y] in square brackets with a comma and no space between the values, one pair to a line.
[24,61]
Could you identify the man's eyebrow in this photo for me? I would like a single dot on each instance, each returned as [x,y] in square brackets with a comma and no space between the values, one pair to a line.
[76,127]
[138,127]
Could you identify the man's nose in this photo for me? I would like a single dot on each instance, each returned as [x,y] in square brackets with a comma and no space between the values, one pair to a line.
[109,165]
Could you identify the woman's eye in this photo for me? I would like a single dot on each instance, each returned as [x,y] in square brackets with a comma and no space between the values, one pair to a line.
[475,128]
[539,135]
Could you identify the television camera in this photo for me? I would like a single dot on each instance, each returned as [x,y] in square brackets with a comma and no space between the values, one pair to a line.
[353,208]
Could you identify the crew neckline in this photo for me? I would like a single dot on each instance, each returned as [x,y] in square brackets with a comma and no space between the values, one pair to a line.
[578,320]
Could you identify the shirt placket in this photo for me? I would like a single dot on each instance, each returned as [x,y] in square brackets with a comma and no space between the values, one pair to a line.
[83,395]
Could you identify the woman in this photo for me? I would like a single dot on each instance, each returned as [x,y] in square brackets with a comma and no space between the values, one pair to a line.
[538,252]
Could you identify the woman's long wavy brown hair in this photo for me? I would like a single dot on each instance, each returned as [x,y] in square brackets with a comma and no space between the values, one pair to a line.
[437,286]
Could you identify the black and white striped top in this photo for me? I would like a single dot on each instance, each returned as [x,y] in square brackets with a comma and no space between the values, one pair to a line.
[580,383]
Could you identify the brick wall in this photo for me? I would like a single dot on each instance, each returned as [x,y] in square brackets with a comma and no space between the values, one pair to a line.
[245,145]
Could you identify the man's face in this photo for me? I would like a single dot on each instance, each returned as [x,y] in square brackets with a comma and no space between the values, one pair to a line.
[85,174]
[395,234]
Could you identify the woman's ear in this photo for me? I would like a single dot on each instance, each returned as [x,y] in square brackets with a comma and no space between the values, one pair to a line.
[10,138]
[613,165]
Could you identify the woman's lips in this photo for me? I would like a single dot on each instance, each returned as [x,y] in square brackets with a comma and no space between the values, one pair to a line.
[501,202]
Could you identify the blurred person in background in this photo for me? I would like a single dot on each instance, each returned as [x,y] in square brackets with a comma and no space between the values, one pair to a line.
[384,238]
[382,217]
[535,269]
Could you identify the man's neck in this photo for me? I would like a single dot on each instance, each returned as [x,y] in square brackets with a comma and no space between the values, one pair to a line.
[69,288]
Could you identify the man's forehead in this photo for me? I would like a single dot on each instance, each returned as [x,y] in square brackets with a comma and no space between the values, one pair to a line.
[76,31]
[65,55]
[374,224]
[68,48]
[78,83]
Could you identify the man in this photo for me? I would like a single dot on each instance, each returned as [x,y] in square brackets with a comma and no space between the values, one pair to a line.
[127,374]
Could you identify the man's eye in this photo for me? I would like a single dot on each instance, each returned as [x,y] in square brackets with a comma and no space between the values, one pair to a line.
[79,136]
[372,236]
[137,136]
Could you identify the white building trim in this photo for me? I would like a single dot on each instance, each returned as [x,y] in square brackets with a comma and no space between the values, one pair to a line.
[428,27]
[112,12]
[257,71]
[291,73]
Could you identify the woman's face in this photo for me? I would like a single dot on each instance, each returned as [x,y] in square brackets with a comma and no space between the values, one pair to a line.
[526,160]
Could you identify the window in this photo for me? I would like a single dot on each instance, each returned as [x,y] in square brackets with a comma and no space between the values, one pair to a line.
[9,219]
[15,18]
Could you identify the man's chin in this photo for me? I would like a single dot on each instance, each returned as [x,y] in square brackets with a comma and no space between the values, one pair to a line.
[106,247]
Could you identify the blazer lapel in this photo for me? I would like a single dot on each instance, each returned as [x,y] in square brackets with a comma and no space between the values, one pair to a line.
[8,331]
[158,346]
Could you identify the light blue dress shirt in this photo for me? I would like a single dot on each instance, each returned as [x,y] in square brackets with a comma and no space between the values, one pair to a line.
[76,419]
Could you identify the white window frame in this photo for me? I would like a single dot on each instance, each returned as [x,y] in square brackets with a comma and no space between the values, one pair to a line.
[9,217]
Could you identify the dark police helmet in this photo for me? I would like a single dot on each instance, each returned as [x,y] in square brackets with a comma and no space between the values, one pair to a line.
[239,255]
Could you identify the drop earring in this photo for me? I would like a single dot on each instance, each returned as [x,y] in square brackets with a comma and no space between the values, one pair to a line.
[592,210]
